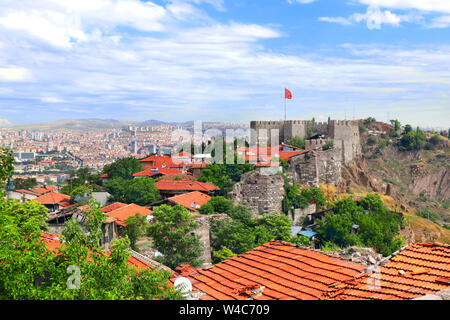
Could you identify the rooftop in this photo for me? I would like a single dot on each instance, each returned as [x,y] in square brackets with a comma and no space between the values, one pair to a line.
[192,200]
[123,213]
[277,270]
[51,198]
[184,185]
[420,269]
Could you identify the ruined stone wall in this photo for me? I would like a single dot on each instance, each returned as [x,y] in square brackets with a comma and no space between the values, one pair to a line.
[260,193]
[317,167]
[299,214]
[329,164]
[203,231]
[304,169]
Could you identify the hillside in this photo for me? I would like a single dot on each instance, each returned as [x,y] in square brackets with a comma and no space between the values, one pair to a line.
[418,180]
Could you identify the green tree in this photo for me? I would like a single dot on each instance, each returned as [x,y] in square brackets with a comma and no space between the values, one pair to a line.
[80,191]
[27,184]
[222,254]
[407,129]
[397,125]
[6,166]
[123,168]
[378,227]
[140,190]
[298,142]
[217,175]
[413,140]
[30,271]
[217,205]
[173,236]
[135,228]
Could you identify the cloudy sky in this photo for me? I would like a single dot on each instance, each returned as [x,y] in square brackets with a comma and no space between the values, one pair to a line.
[224,60]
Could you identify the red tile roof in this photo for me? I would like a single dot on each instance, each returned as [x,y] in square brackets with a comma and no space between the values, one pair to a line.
[161,161]
[420,269]
[121,214]
[28,192]
[287,155]
[184,185]
[136,260]
[277,269]
[42,190]
[192,200]
[52,198]
[198,165]
[268,164]
[149,173]
[113,206]
[104,176]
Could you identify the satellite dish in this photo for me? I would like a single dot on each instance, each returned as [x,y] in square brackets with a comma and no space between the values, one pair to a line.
[183,285]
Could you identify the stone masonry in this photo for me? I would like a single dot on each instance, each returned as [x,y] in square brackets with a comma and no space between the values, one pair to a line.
[317,167]
[343,133]
[260,193]
[203,231]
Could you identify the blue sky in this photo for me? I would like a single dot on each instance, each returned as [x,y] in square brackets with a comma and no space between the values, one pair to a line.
[224,60]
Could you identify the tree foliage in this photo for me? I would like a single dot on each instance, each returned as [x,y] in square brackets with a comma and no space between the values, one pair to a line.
[378,227]
[123,168]
[413,140]
[242,233]
[27,184]
[298,142]
[140,190]
[135,228]
[217,205]
[173,236]
[30,271]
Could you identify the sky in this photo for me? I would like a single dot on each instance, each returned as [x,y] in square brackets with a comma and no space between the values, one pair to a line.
[225,60]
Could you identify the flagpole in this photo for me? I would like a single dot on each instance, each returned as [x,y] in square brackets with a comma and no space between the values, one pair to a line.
[285,108]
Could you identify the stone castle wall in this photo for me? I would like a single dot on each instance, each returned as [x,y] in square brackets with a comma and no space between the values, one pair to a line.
[260,193]
[317,167]
[344,133]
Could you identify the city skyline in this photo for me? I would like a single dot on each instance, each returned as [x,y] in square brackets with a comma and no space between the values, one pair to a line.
[226,61]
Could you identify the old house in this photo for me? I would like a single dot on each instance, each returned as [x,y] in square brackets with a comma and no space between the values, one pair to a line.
[53,201]
[170,188]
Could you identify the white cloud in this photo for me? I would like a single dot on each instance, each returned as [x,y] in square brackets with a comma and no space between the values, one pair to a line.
[423,5]
[14,74]
[339,20]
[51,100]
[440,22]
[374,18]
[300,1]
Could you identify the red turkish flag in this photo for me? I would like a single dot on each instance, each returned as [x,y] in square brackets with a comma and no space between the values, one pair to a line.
[287,94]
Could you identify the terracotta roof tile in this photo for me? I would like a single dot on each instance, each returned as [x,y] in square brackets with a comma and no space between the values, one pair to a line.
[113,206]
[412,273]
[192,200]
[184,185]
[121,214]
[51,198]
[150,172]
[282,270]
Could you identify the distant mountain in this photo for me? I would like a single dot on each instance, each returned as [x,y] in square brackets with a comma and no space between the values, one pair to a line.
[158,123]
[79,125]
